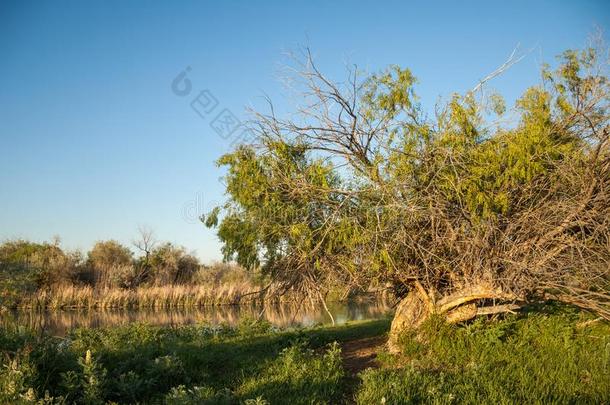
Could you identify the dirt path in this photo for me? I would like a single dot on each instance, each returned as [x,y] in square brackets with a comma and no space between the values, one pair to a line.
[361,354]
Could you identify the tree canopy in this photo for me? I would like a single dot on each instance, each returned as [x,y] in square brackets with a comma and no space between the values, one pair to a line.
[474,208]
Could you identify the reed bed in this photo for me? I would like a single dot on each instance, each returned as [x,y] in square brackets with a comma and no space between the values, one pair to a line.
[170,296]
[167,297]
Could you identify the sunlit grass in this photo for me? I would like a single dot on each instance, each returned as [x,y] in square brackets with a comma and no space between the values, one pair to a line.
[188,364]
[535,358]
[169,296]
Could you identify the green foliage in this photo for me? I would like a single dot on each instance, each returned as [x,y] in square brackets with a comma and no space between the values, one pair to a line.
[497,167]
[172,265]
[535,358]
[15,282]
[28,266]
[543,356]
[390,93]
[252,327]
[363,187]
[189,364]
[181,395]
[17,378]
[93,376]
[264,214]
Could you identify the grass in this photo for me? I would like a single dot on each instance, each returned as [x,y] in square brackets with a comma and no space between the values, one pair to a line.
[542,356]
[188,364]
[166,296]
[546,355]
[169,296]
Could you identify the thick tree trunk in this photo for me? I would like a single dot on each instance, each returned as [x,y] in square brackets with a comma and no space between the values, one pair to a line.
[417,307]
[411,312]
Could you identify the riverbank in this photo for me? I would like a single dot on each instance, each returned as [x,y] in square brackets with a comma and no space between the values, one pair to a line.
[188,364]
[551,355]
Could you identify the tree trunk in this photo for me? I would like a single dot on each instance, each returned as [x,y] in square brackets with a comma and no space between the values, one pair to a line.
[417,307]
[411,312]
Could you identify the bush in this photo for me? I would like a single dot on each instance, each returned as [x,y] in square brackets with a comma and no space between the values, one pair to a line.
[27,266]
[110,264]
[198,395]
[172,265]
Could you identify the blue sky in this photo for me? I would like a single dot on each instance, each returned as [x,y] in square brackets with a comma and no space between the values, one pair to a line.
[94,143]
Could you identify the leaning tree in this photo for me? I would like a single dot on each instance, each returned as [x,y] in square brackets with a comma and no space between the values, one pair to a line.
[466,211]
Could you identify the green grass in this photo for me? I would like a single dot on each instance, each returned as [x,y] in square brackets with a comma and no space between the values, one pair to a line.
[541,356]
[188,364]
[536,358]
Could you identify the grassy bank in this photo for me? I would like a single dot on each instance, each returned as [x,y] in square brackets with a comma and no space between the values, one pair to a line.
[549,356]
[190,364]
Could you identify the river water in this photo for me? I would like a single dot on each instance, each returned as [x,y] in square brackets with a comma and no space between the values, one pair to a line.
[59,323]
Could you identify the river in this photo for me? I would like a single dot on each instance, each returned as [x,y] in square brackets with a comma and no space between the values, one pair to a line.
[59,323]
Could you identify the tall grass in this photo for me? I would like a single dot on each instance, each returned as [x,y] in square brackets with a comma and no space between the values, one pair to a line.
[216,285]
[238,291]
[169,296]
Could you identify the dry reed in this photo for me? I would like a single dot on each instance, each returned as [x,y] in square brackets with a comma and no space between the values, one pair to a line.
[171,296]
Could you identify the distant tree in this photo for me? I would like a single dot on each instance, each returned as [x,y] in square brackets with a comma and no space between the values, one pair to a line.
[145,243]
[27,266]
[466,213]
[110,264]
[172,265]
[47,263]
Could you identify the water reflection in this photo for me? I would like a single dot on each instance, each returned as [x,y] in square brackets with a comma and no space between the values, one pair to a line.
[59,323]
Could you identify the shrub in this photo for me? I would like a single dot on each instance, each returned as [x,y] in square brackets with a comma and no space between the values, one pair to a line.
[106,262]
[180,395]
[172,265]
[27,266]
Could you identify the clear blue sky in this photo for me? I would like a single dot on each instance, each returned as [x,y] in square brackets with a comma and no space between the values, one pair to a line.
[93,142]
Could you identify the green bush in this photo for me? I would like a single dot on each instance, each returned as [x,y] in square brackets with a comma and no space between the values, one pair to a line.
[181,395]
[27,266]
